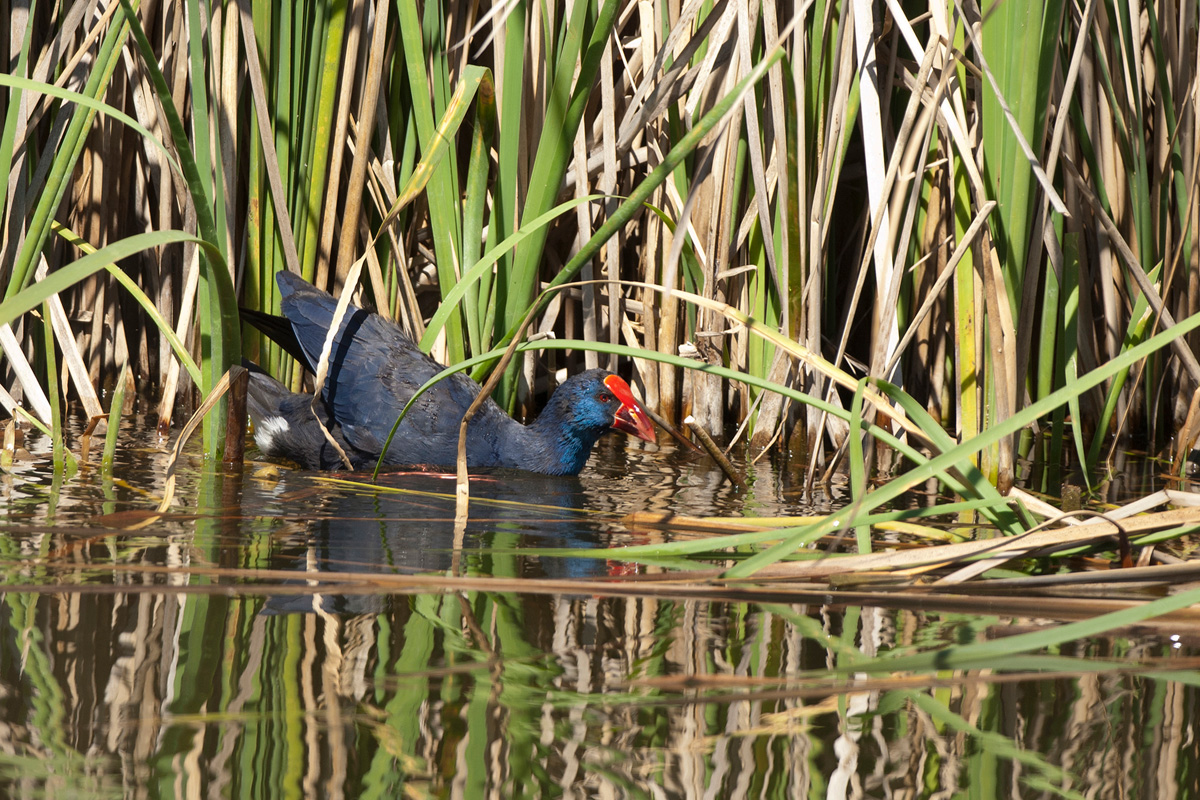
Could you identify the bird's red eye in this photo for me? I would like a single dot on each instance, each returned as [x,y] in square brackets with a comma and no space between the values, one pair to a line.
[605,397]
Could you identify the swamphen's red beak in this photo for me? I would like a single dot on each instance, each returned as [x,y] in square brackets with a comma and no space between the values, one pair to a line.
[630,417]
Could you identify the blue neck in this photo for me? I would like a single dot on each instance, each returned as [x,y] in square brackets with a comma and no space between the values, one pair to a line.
[551,446]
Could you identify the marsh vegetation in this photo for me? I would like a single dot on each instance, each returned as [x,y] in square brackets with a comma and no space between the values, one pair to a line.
[936,260]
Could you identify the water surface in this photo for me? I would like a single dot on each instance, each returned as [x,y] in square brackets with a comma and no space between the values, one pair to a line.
[284,635]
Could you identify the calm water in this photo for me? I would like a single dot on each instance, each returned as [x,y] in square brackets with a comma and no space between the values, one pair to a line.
[281,637]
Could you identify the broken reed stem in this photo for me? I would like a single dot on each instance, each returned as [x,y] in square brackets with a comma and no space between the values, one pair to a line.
[235,421]
[716,453]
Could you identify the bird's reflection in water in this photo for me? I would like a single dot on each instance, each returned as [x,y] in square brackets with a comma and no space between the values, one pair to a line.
[405,525]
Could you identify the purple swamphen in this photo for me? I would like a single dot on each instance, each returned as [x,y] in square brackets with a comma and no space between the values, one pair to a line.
[374,369]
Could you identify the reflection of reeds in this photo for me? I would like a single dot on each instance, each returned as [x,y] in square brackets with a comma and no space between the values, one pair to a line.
[216,651]
[686,695]
[992,214]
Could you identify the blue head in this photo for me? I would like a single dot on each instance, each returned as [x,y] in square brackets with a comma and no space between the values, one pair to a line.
[581,411]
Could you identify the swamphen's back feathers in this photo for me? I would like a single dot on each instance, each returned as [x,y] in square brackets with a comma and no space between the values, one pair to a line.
[374,370]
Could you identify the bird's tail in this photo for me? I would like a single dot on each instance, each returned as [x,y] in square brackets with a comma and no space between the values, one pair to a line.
[264,395]
[278,330]
[285,424]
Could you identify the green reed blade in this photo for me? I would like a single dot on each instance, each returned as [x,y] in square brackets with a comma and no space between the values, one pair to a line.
[220,327]
[442,190]
[115,412]
[66,157]
[568,94]
[148,307]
